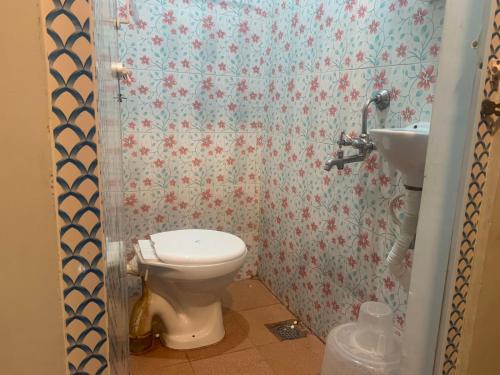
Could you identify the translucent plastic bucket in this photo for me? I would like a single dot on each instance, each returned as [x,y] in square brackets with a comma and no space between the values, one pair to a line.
[367,347]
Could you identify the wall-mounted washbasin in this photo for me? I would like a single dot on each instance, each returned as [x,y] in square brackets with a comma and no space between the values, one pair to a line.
[405,150]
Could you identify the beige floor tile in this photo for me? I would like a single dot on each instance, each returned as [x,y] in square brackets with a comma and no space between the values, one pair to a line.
[245,362]
[294,357]
[236,339]
[182,369]
[158,358]
[247,294]
[248,347]
[256,319]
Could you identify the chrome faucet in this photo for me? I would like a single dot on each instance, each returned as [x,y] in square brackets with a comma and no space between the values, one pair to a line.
[340,162]
[362,143]
[363,146]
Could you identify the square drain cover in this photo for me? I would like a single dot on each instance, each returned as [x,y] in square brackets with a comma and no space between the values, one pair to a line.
[287,330]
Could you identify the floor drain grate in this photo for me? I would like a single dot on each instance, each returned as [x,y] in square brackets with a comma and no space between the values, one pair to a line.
[287,330]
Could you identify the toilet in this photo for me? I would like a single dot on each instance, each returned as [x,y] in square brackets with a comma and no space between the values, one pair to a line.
[186,272]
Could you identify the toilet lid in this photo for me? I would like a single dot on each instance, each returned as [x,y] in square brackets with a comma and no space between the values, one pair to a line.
[197,247]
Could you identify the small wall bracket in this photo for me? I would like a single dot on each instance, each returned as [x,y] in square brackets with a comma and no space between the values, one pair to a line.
[382,100]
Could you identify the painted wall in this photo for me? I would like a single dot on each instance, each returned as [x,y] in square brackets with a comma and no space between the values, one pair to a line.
[325,236]
[31,308]
[193,116]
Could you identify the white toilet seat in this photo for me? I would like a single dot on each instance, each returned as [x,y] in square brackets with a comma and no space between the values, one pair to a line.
[197,247]
[186,272]
[217,254]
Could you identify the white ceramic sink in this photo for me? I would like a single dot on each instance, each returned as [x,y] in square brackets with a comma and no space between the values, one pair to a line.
[405,150]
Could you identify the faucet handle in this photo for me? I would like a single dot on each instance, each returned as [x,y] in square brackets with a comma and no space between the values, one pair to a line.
[344,139]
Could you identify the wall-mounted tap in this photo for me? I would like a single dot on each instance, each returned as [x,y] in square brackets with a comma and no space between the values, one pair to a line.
[362,143]
[341,161]
[363,146]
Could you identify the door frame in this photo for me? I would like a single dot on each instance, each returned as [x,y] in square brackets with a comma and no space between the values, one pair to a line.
[459,91]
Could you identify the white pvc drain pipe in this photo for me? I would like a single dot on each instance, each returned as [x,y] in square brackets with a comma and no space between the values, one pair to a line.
[408,229]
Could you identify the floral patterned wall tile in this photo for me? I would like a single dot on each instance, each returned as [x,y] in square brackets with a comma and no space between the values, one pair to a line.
[310,36]
[233,108]
[324,235]
[192,119]
[216,37]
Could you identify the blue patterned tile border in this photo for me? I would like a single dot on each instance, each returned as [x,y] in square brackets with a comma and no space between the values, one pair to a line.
[73,125]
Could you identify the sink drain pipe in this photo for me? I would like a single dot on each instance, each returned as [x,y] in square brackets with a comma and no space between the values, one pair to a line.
[408,229]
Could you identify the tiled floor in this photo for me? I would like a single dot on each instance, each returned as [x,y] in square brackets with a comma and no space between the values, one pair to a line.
[248,347]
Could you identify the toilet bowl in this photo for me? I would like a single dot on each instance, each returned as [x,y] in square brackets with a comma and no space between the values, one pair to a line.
[186,272]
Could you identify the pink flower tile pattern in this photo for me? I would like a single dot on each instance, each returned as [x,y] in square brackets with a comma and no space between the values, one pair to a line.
[232,109]
[192,123]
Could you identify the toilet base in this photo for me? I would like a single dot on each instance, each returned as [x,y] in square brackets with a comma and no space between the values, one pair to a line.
[203,328]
